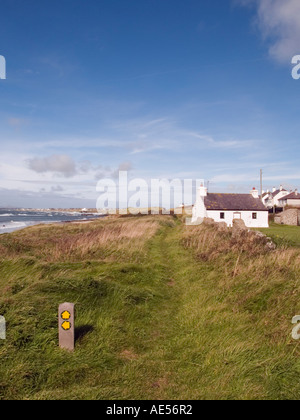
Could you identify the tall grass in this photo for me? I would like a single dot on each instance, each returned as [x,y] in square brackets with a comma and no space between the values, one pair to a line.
[264,283]
[105,269]
[79,241]
[164,311]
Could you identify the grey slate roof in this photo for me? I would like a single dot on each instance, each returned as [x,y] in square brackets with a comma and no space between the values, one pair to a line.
[277,192]
[238,202]
[292,196]
[273,193]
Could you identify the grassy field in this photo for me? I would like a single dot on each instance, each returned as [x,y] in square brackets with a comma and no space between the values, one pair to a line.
[283,235]
[164,311]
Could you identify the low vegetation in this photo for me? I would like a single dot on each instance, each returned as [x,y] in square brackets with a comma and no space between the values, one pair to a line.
[164,311]
[284,236]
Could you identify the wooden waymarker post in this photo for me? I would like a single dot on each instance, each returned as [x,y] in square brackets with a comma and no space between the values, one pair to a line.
[66,327]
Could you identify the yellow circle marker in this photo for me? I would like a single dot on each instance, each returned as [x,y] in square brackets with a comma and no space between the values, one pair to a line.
[66,325]
[66,315]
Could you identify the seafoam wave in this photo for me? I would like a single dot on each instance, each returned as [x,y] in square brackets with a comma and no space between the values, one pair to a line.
[8,227]
[11,220]
[17,224]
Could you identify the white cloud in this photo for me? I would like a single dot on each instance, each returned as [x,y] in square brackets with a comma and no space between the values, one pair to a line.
[124,166]
[279,22]
[221,144]
[57,188]
[59,164]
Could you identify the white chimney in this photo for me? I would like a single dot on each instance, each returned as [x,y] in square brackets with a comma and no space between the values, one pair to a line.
[255,193]
[202,191]
[274,189]
[281,187]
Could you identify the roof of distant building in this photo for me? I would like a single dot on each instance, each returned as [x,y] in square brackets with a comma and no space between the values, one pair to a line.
[274,193]
[293,196]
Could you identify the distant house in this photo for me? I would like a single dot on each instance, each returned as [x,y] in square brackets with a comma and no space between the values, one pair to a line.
[292,200]
[272,199]
[227,207]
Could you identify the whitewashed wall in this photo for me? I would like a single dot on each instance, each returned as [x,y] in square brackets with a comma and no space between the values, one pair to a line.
[262,220]
[278,197]
[199,209]
[293,203]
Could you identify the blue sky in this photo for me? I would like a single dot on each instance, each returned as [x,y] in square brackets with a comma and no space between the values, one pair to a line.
[162,88]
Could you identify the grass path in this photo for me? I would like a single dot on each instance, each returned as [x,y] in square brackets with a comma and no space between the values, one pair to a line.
[162,326]
[204,347]
[207,348]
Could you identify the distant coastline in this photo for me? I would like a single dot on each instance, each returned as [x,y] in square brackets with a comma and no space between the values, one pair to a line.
[51,210]
[12,220]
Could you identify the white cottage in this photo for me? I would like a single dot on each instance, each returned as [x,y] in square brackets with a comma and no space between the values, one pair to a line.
[227,207]
[272,199]
[292,200]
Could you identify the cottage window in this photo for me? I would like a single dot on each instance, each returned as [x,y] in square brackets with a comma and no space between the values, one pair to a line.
[222,215]
[254,216]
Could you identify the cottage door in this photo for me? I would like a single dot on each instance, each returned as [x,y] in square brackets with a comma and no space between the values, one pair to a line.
[237,215]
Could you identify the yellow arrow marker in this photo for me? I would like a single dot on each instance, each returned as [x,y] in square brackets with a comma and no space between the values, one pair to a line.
[66,325]
[66,315]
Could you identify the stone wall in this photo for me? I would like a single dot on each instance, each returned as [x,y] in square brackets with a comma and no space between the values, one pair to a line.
[289,217]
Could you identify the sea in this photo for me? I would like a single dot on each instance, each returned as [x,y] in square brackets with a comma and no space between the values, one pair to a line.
[16,219]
